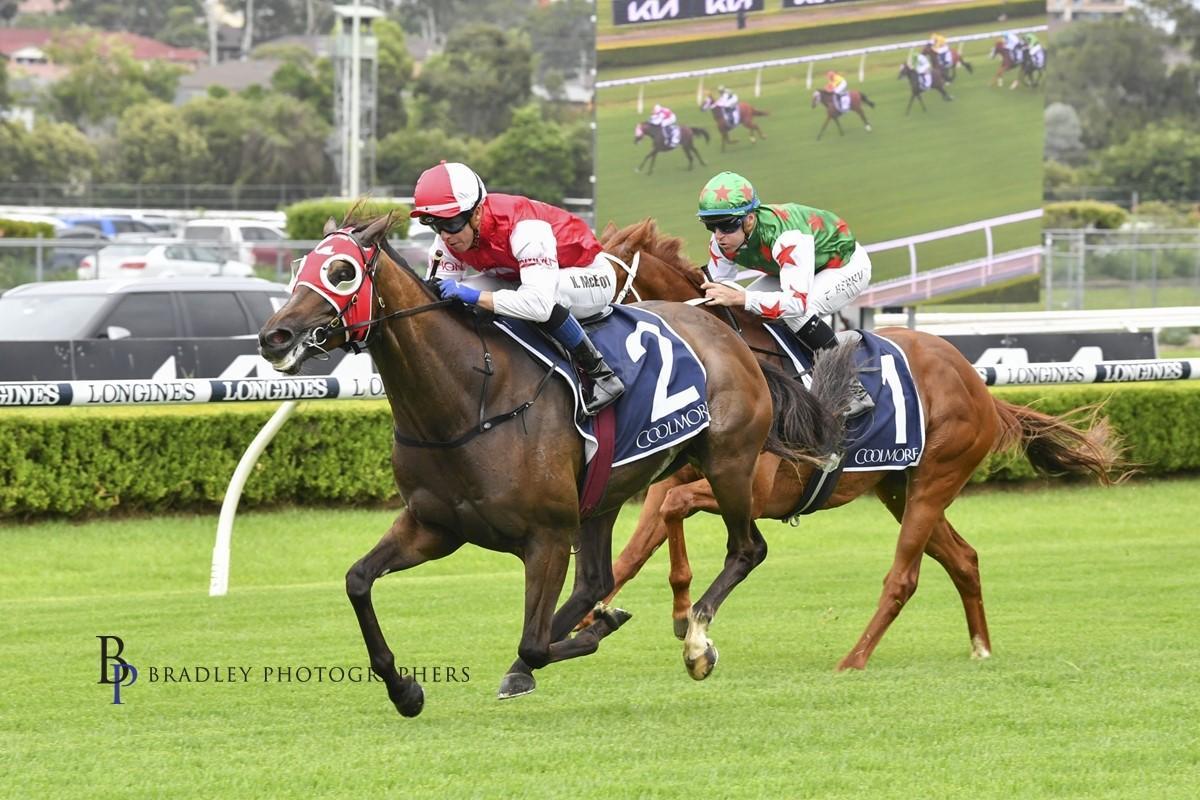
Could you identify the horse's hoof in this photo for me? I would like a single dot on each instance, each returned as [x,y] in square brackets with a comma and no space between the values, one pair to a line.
[615,617]
[411,700]
[681,626]
[515,684]
[703,666]
[868,129]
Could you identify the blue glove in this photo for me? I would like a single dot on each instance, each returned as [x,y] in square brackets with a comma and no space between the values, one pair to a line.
[453,290]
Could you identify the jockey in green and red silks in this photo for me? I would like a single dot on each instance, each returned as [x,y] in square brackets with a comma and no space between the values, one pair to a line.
[814,265]
[519,258]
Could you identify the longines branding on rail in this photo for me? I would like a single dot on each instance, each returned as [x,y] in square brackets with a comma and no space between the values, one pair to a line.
[142,392]
[677,424]
[293,389]
[20,394]
[121,675]
[1167,370]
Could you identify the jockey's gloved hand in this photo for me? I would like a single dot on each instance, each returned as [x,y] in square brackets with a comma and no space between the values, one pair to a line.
[451,289]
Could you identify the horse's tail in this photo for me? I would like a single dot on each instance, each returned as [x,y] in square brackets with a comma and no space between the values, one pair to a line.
[966,64]
[866,99]
[700,132]
[810,426]
[1080,442]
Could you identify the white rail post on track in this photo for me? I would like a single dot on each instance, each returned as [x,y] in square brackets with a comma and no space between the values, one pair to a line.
[758,82]
[641,99]
[700,91]
[808,79]
[862,68]
[218,584]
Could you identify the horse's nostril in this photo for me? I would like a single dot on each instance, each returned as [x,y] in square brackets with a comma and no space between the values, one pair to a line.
[277,337]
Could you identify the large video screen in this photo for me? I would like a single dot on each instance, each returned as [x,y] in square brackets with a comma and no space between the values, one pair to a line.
[902,160]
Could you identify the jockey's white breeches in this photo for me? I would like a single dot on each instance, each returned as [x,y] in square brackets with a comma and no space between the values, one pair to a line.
[832,288]
[585,291]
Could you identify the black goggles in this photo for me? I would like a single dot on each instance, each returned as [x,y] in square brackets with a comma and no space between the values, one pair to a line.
[446,224]
[725,225]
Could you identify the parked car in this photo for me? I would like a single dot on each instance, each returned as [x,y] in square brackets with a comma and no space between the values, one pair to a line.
[243,240]
[145,259]
[154,308]
[111,225]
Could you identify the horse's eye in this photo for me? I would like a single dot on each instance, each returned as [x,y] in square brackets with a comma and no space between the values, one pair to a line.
[342,272]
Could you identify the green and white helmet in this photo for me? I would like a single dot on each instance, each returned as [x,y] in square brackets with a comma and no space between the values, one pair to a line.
[727,194]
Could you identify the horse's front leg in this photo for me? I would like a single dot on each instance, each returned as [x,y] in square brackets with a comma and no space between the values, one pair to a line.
[838,122]
[644,160]
[866,122]
[546,556]
[824,125]
[406,544]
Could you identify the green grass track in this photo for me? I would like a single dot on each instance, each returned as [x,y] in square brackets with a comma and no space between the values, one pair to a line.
[1090,693]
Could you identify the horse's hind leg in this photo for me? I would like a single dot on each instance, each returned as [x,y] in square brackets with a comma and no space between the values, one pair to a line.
[866,122]
[406,544]
[957,557]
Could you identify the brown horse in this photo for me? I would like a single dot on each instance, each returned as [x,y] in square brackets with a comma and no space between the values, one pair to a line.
[746,115]
[963,423]
[1008,60]
[659,144]
[937,83]
[466,476]
[832,112]
[948,72]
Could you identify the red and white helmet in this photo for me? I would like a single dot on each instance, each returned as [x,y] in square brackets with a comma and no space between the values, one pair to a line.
[447,190]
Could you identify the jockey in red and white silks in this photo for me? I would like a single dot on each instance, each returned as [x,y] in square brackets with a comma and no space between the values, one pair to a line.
[520,258]
[666,120]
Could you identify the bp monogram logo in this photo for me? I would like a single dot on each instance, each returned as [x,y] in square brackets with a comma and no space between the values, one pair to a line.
[121,673]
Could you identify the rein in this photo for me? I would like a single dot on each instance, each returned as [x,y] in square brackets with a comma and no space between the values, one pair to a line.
[485,423]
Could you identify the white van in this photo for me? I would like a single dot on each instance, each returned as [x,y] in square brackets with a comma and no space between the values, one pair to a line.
[243,240]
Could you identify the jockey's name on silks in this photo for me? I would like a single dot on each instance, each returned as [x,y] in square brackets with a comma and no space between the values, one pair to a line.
[665,401]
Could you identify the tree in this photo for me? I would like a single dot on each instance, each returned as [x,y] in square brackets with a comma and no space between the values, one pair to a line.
[395,74]
[224,123]
[1162,161]
[60,153]
[563,37]
[145,18]
[286,144]
[402,156]
[104,78]
[1113,74]
[155,144]
[533,157]
[473,86]
[1064,142]
[308,79]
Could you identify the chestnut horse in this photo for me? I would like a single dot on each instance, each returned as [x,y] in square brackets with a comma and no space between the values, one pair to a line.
[453,381]
[832,112]
[963,423]
[658,143]
[1007,61]
[948,72]
[746,115]
[937,83]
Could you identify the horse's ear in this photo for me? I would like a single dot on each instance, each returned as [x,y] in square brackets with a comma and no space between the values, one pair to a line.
[369,235]
[330,226]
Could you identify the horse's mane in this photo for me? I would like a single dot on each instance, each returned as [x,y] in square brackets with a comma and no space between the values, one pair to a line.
[361,214]
[645,236]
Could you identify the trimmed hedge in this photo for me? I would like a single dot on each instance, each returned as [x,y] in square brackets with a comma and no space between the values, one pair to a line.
[77,463]
[306,219]
[1084,214]
[19,229]
[917,22]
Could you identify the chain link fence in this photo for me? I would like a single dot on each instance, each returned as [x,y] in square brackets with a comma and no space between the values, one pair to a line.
[1094,269]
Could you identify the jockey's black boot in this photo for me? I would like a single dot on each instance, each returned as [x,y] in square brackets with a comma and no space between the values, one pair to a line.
[606,386]
[815,334]
[566,330]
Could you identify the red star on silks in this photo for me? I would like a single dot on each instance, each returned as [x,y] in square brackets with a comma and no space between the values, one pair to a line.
[785,256]
[834,262]
[747,193]
[781,213]
[842,227]
[722,193]
[815,222]
[802,295]
[765,250]
[772,312]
